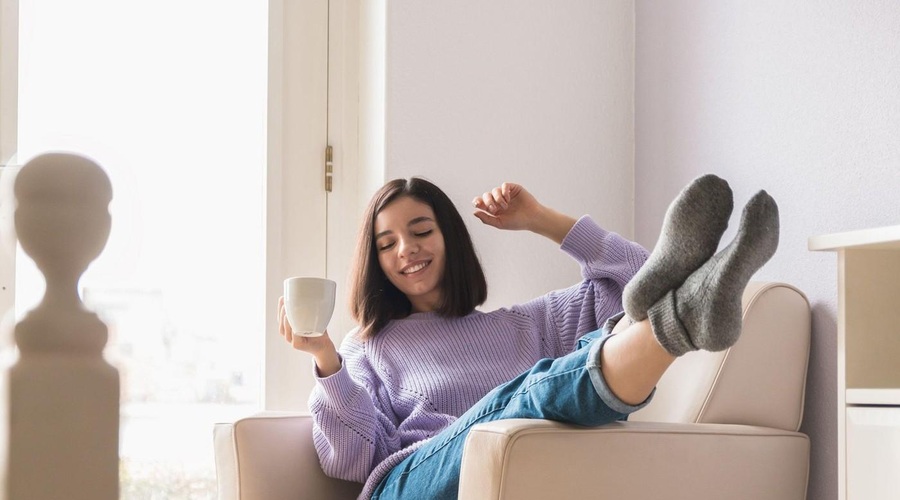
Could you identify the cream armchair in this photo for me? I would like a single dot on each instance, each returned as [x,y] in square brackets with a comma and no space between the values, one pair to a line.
[722,425]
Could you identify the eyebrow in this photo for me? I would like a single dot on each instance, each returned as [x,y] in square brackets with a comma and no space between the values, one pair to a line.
[411,223]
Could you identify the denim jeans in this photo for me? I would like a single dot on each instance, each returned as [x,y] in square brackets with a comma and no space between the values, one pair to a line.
[569,389]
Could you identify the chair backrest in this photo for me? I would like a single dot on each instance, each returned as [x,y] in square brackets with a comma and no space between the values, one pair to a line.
[761,380]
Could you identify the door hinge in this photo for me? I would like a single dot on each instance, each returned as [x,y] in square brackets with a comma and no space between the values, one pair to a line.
[329,168]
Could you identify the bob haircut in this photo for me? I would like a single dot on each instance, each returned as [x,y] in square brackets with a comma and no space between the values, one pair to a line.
[374,300]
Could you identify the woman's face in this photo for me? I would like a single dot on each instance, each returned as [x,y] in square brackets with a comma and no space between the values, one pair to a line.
[410,249]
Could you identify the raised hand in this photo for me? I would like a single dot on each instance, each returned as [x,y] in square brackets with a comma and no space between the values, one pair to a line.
[508,206]
[511,206]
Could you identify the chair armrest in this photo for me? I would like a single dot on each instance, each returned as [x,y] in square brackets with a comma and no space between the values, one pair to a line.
[271,456]
[536,459]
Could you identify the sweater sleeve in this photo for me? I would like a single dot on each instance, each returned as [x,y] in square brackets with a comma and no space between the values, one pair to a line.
[354,428]
[608,261]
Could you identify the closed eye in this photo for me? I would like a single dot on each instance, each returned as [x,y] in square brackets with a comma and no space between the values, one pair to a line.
[424,233]
[386,246]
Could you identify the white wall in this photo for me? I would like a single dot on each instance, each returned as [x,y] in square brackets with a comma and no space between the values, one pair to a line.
[799,98]
[526,91]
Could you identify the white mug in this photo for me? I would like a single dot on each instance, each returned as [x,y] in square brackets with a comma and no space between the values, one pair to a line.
[309,304]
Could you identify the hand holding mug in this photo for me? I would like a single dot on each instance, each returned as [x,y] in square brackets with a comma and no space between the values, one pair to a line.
[309,304]
[303,315]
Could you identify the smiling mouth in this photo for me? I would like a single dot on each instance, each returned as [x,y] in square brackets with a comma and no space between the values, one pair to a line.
[415,268]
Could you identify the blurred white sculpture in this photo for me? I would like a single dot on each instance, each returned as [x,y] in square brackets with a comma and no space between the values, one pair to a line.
[63,395]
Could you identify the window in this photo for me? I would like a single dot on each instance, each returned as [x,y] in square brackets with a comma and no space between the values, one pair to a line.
[211,122]
[170,98]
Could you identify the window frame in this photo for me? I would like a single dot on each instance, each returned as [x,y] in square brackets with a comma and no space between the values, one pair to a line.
[295,197]
[354,125]
[9,82]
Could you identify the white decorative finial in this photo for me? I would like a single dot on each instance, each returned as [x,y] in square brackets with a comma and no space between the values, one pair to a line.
[62,222]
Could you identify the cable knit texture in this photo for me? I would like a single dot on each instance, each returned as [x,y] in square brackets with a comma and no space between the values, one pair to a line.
[415,377]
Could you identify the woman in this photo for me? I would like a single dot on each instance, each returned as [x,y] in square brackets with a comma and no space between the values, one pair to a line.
[392,408]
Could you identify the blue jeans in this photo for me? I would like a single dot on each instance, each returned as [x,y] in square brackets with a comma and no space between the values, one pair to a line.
[569,389]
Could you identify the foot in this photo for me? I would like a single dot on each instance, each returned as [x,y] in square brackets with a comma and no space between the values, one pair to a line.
[705,311]
[691,231]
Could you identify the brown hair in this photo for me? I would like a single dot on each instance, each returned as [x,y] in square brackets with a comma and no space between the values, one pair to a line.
[374,300]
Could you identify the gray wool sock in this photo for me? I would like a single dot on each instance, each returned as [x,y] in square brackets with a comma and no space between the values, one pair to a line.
[705,311]
[690,235]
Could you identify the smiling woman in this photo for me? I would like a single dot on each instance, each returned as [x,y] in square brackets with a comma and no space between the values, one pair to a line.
[394,404]
[182,135]
[411,251]
[402,230]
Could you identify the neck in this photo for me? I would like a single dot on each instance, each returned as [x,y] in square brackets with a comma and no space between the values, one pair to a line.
[422,304]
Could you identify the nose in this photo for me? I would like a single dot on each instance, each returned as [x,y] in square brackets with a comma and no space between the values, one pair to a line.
[408,247]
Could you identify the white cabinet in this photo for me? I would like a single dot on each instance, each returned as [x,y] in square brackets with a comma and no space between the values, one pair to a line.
[873,452]
[868,361]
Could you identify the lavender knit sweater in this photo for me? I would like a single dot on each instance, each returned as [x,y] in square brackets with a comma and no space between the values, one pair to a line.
[416,376]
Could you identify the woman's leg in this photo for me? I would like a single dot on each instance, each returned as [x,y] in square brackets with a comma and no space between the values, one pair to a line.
[567,389]
[632,361]
[703,312]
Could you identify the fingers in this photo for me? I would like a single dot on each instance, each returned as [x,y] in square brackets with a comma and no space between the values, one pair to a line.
[510,190]
[495,200]
[500,198]
[487,199]
[284,326]
[299,342]
[310,344]
[504,190]
[487,218]
[495,207]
